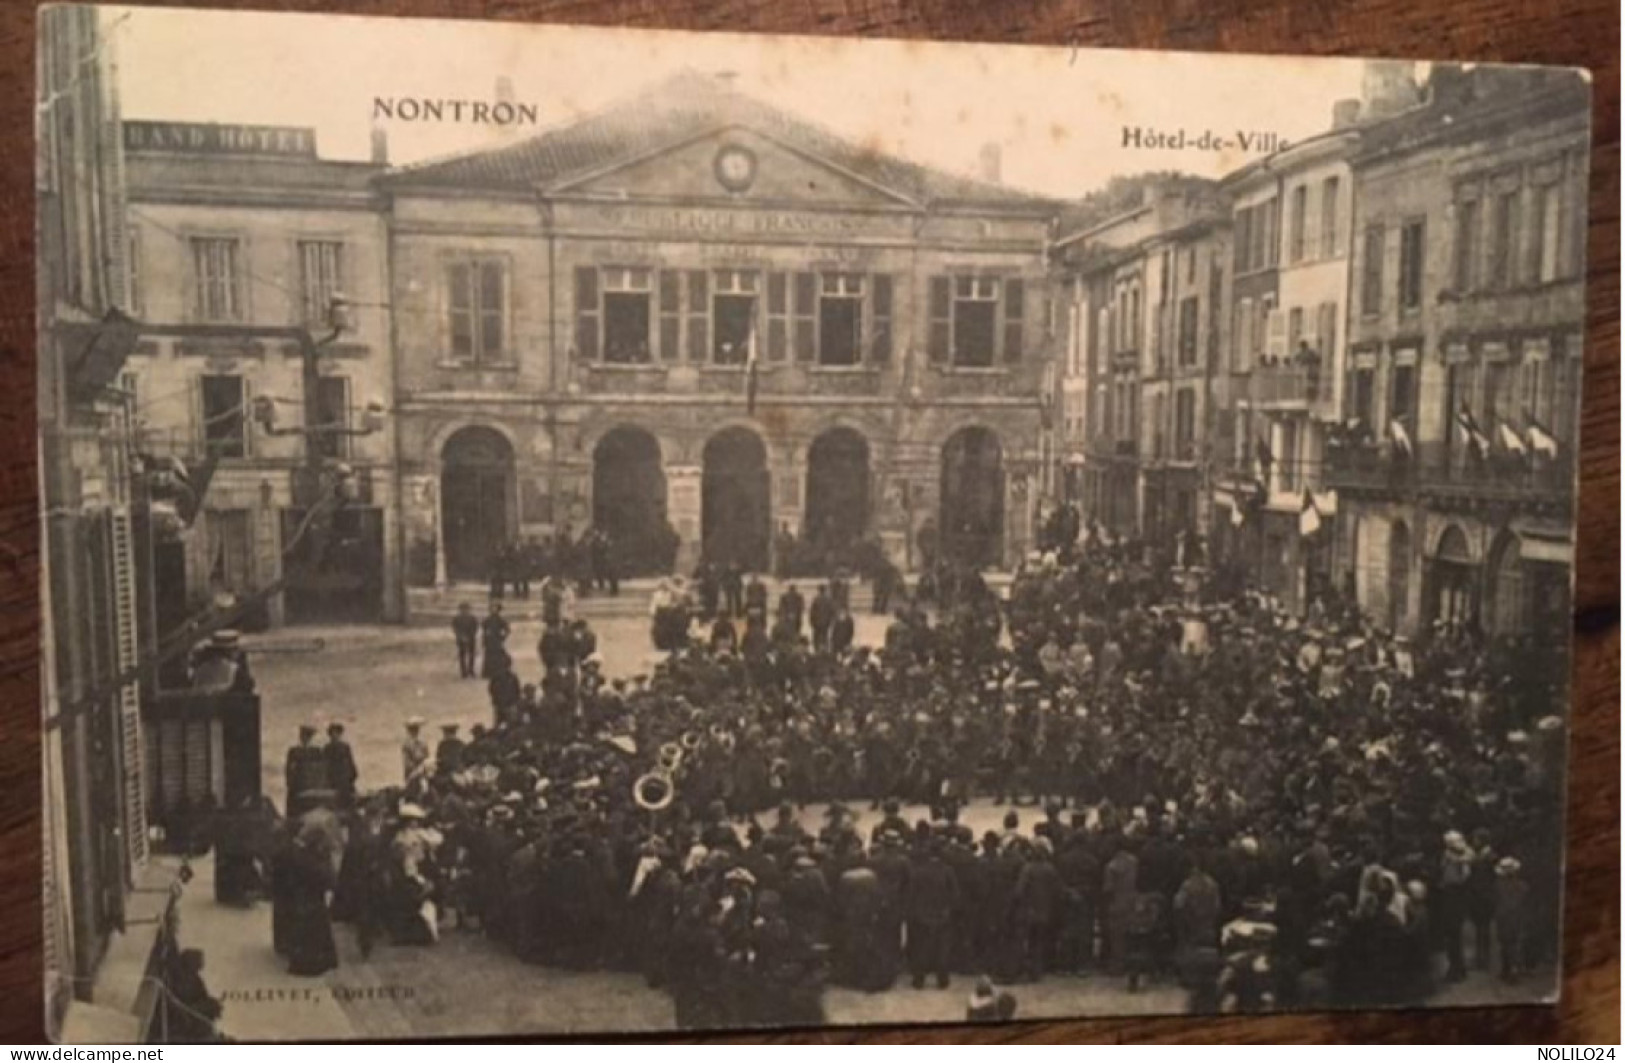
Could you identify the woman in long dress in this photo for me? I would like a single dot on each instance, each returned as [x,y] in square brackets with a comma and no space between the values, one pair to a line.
[309,872]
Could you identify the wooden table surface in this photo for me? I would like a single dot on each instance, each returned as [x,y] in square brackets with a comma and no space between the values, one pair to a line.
[1583,33]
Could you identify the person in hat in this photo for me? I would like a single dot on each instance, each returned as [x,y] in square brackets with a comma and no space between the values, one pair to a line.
[1511,917]
[842,631]
[983,1005]
[448,755]
[494,631]
[341,770]
[1450,904]
[930,898]
[821,615]
[305,770]
[465,629]
[414,750]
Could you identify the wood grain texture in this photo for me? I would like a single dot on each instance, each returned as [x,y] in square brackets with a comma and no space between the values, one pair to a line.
[1583,33]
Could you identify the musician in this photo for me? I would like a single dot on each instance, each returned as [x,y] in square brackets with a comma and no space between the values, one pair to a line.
[792,607]
[448,755]
[414,750]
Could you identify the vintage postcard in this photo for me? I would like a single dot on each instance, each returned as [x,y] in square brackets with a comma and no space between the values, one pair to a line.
[559,530]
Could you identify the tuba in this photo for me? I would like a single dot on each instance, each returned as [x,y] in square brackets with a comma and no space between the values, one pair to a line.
[671,758]
[691,741]
[654,791]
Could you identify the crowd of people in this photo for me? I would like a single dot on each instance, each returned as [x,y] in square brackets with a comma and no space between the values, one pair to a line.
[1194,787]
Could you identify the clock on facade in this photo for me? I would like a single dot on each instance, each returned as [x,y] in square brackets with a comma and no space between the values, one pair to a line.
[735,167]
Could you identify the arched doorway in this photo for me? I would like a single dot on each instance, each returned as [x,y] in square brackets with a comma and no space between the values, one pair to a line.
[629,501]
[1453,578]
[837,505]
[735,499]
[972,514]
[1399,575]
[1507,603]
[476,489]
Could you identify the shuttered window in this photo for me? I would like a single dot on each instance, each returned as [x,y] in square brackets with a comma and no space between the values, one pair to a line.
[1015,318]
[805,310]
[587,314]
[881,319]
[671,315]
[699,318]
[778,317]
[940,339]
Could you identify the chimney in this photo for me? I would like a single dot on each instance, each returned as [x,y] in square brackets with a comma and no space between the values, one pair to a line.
[1388,87]
[990,163]
[1345,113]
[380,145]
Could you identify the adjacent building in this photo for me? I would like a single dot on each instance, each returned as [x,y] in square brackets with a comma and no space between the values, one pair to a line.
[91,579]
[1455,474]
[243,242]
[696,314]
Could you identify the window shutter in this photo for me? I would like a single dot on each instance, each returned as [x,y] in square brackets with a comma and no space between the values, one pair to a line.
[778,317]
[460,309]
[671,315]
[493,311]
[805,310]
[1015,318]
[1326,332]
[699,317]
[587,313]
[881,322]
[939,340]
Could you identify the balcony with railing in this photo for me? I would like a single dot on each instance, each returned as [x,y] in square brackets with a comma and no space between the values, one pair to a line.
[1288,387]
[1454,473]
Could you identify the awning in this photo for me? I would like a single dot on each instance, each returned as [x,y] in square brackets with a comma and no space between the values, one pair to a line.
[1544,542]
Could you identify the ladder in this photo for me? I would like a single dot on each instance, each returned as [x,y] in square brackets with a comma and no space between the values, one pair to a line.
[129,695]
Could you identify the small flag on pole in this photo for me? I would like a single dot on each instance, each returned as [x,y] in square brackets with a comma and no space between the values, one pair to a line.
[1541,441]
[1510,440]
[1401,438]
[1309,521]
[750,369]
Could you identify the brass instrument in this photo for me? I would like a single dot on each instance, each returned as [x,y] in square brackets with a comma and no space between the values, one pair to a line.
[654,791]
[671,758]
[691,741]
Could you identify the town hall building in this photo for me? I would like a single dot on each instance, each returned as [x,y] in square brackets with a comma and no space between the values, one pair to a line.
[695,310]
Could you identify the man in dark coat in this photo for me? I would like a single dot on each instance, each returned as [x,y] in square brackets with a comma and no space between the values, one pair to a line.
[733,588]
[448,755]
[756,599]
[792,608]
[932,896]
[842,632]
[341,770]
[822,615]
[494,628]
[306,770]
[465,628]
[1039,896]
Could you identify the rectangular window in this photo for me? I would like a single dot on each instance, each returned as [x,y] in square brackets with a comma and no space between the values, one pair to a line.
[215,280]
[1294,329]
[1015,318]
[1412,252]
[627,314]
[1362,393]
[1297,224]
[1402,396]
[331,416]
[321,279]
[840,319]
[1504,239]
[1272,233]
[230,547]
[1467,234]
[1185,424]
[587,314]
[699,315]
[1189,319]
[881,303]
[975,321]
[733,316]
[1243,237]
[1498,380]
[778,317]
[1371,253]
[477,307]
[225,415]
[1330,189]
[804,310]
[1546,220]
[1326,332]
[671,315]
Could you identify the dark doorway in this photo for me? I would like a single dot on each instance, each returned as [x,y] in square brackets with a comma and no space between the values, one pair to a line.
[735,499]
[629,501]
[476,483]
[837,511]
[972,517]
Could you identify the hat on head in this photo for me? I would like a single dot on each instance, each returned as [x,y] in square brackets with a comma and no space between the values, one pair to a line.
[414,721]
[1508,865]
[409,810]
[226,639]
[449,728]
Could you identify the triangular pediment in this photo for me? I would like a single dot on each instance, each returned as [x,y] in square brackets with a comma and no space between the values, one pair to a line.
[734,164]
